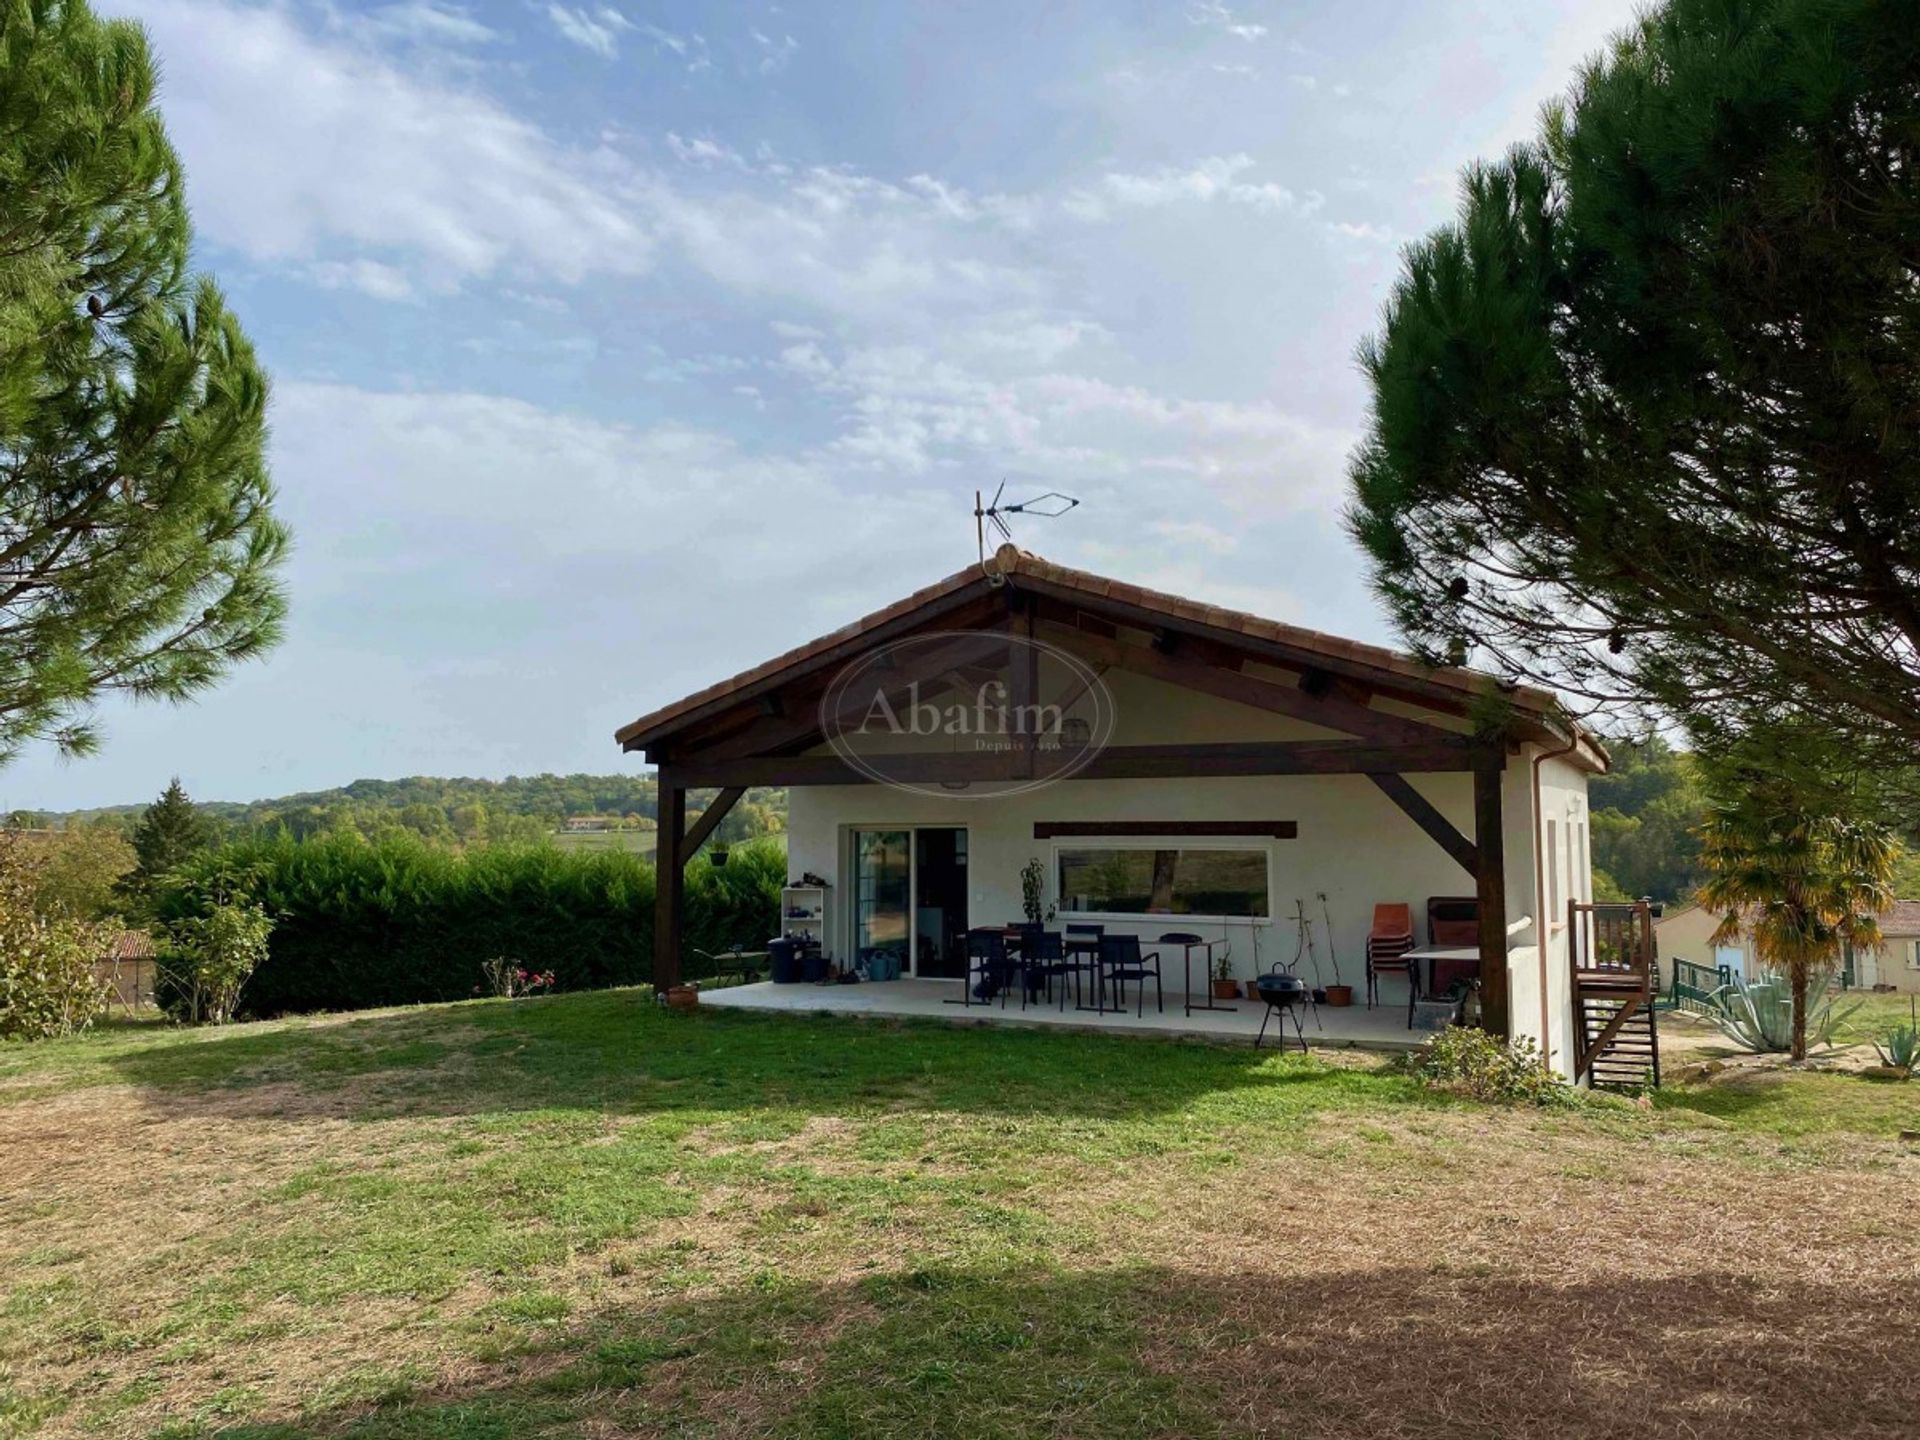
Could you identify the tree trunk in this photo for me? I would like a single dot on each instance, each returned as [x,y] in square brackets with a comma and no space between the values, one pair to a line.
[1797,978]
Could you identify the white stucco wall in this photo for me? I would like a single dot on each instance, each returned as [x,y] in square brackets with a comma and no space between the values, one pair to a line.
[1354,845]
[1560,870]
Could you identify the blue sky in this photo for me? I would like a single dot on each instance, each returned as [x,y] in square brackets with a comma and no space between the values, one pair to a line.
[619,346]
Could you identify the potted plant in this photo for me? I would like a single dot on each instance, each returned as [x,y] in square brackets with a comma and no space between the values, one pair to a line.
[682,997]
[1033,893]
[1225,987]
[717,856]
[1339,993]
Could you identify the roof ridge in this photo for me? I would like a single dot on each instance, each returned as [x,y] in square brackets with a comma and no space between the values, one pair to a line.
[1009,562]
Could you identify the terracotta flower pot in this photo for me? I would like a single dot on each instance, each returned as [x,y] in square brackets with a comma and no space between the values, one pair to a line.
[1339,995]
[1226,990]
[682,997]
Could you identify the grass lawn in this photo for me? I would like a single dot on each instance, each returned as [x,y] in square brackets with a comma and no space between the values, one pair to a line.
[580,1216]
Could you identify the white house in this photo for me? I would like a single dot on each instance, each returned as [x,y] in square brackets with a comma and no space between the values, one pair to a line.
[1687,934]
[1200,763]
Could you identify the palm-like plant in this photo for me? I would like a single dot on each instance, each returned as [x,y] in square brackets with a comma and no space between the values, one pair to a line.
[1761,1016]
[1901,1053]
[1790,866]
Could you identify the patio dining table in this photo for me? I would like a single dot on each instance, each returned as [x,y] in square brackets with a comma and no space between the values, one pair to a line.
[1070,946]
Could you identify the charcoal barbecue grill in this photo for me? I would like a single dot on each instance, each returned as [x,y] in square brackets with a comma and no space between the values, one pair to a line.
[1286,997]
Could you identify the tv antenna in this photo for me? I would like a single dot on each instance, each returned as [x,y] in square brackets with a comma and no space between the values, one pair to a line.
[993,514]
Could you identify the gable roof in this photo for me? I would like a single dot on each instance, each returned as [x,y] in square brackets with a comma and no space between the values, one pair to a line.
[1021,569]
[1901,918]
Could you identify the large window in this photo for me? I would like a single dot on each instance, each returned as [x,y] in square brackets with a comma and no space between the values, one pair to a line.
[1190,880]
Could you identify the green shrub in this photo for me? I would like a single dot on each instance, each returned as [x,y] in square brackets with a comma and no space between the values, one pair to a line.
[47,984]
[1759,1016]
[1465,1060]
[395,921]
[210,961]
[1901,1052]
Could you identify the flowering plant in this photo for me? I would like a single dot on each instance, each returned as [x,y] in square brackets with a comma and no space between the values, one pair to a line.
[509,979]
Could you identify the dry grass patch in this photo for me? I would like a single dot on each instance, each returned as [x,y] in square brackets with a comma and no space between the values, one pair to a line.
[587,1218]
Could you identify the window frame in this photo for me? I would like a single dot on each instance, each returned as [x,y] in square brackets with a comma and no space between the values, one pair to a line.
[1240,843]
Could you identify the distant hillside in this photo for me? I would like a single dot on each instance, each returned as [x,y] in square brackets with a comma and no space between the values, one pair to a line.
[460,809]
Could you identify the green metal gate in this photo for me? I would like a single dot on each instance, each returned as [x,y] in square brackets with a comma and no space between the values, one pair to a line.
[1693,986]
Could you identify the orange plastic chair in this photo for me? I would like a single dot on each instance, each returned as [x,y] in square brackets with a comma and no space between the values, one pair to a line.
[1387,946]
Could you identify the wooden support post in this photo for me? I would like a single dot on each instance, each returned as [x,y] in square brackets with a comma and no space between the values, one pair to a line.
[1490,840]
[669,882]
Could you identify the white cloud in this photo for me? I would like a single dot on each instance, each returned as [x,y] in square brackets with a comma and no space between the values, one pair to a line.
[597,30]
[775,53]
[1214,15]
[340,152]
[370,277]
[703,152]
[971,404]
[428,20]
[1363,232]
[1217,177]
[690,48]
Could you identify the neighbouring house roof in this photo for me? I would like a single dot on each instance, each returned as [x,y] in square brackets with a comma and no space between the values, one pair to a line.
[130,945]
[1902,918]
[1020,568]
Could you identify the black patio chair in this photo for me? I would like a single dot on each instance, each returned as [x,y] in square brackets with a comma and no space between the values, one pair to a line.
[1043,960]
[1121,961]
[989,971]
[1082,945]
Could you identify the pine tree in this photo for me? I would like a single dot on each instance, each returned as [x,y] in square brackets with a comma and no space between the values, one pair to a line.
[1646,418]
[171,831]
[138,546]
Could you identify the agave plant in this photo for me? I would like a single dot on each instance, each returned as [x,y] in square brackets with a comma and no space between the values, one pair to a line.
[1902,1050]
[1759,1016]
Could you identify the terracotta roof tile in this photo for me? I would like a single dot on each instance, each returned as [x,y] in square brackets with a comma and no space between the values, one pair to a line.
[1901,918]
[1013,563]
[131,945]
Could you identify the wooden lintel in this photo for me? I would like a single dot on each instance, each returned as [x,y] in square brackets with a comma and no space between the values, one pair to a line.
[1110,829]
[1117,762]
[1423,813]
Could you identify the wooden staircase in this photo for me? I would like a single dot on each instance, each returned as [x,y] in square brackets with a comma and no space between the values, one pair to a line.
[1616,1038]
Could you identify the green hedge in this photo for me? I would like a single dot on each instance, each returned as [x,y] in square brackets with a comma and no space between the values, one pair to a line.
[397,921]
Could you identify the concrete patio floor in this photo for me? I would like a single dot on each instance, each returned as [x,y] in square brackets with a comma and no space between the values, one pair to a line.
[1382,1028]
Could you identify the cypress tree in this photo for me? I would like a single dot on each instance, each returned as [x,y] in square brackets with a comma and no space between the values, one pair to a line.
[171,832]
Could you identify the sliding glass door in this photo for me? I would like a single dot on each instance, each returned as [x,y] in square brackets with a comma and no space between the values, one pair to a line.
[882,894]
[940,903]
[910,898]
